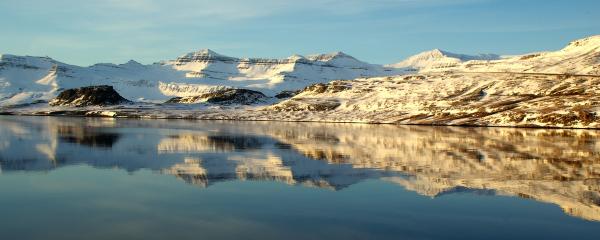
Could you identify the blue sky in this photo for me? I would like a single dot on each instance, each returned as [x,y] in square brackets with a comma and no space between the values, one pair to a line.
[84,32]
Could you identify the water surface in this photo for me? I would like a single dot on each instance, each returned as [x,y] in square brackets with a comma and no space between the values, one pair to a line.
[75,178]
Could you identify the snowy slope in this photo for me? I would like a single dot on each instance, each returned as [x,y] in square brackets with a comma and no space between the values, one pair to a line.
[550,89]
[558,89]
[482,99]
[437,58]
[578,57]
[26,79]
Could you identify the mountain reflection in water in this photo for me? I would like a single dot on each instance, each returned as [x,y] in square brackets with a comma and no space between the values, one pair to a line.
[549,165]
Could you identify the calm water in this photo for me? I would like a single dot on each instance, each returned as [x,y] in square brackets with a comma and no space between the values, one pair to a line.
[73,178]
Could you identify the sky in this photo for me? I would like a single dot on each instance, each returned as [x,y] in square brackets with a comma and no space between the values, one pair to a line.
[84,32]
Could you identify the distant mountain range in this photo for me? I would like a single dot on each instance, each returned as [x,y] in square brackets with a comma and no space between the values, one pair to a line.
[557,89]
[25,79]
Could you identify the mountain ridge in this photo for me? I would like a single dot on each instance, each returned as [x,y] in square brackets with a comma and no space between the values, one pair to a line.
[26,79]
[435,57]
[201,70]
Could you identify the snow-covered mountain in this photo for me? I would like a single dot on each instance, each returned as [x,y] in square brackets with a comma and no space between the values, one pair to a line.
[437,58]
[24,79]
[558,89]
[552,89]
[578,57]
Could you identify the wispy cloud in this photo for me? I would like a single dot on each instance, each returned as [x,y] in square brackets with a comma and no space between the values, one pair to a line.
[130,15]
[87,31]
[210,10]
[242,9]
[88,24]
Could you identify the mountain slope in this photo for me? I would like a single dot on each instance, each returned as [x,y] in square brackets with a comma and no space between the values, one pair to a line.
[550,89]
[482,99]
[26,79]
[437,58]
[578,57]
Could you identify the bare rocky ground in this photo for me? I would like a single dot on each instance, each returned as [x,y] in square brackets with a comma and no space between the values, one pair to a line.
[478,99]
[225,97]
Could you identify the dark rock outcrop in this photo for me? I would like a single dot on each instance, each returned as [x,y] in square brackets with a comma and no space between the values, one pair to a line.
[296,105]
[103,95]
[286,94]
[332,87]
[224,97]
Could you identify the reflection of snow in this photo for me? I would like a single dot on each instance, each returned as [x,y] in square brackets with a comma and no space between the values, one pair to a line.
[270,168]
[185,143]
[190,170]
[548,165]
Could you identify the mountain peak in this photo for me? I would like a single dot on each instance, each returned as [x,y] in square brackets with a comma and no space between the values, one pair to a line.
[10,56]
[296,57]
[339,59]
[207,51]
[132,63]
[203,55]
[584,43]
[440,57]
[428,58]
[329,56]
[435,53]
[339,54]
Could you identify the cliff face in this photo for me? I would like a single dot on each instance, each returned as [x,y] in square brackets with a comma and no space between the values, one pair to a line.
[224,97]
